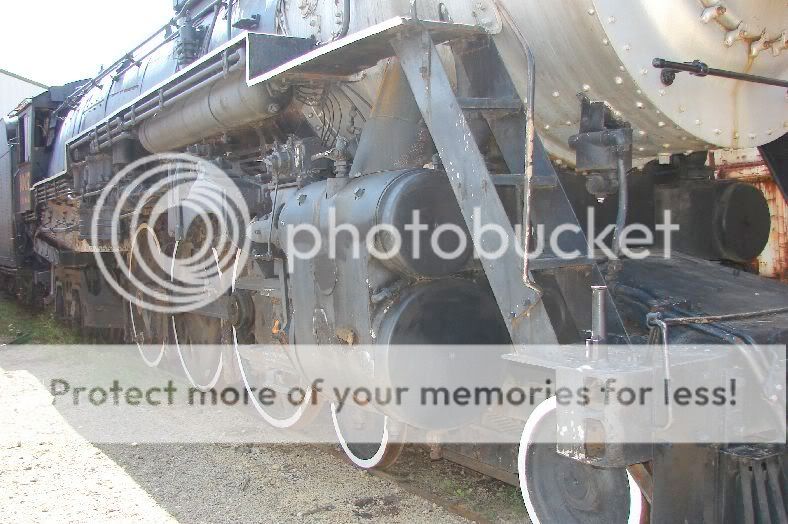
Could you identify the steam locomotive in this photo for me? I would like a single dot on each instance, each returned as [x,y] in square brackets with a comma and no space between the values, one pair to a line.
[515,113]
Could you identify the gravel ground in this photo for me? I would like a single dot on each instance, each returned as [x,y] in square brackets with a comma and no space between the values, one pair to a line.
[49,473]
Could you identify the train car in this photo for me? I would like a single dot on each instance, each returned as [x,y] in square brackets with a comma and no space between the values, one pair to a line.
[517,114]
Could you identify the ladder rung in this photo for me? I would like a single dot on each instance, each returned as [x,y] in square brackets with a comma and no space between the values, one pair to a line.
[537,182]
[544,263]
[490,104]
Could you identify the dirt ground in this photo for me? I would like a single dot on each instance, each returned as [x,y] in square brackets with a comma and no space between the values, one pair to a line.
[48,472]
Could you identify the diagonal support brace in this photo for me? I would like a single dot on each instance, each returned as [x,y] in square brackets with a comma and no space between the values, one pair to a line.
[520,305]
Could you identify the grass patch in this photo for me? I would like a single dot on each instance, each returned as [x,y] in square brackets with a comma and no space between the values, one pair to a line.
[37,327]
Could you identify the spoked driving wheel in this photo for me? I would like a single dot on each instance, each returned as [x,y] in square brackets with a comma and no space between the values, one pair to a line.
[262,352]
[370,440]
[558,489]
[149,329]
[203,334]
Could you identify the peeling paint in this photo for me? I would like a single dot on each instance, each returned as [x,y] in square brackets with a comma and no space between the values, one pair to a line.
[747,166]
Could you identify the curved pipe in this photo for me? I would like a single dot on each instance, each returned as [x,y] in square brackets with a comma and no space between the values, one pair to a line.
[530,140]
[209,33]
[623,205]
[345,21]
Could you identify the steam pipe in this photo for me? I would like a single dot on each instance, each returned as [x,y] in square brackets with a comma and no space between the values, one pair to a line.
[229,20]
[208,34]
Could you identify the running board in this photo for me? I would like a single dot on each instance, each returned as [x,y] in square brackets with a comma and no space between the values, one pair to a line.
[347,56]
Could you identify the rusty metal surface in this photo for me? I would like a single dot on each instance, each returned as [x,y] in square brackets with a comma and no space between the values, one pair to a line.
[748,166]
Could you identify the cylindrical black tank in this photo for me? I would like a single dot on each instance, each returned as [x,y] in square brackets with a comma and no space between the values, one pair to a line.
[717,220]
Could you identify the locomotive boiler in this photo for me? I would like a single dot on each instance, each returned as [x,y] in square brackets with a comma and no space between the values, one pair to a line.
[364,113]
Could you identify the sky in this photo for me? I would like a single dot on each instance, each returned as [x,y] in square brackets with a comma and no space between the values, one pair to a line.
[58,41]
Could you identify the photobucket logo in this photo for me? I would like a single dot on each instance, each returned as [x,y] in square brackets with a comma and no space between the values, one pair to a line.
[450,242]
[175,276]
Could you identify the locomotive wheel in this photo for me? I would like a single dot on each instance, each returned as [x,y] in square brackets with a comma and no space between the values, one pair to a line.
[75,312]
[282,414]
[148,329]
[60,302]
[201,336]
[558,489]
[278,373]
[355,427]
[10,286]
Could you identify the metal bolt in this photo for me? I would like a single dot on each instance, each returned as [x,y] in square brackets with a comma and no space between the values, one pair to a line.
[737,34]
[712,13]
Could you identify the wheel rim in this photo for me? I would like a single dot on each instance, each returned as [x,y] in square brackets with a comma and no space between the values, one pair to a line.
[580,487]
[370,455]
[304,412]
[147,327]
[200,339]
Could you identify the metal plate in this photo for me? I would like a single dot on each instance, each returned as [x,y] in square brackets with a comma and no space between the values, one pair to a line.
[361,50]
